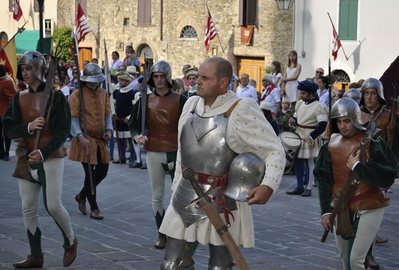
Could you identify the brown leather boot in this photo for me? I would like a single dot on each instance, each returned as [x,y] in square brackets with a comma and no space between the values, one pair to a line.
[70,253]
[371,262]
[96,214]
[30,262]
[81,203]
[161,242]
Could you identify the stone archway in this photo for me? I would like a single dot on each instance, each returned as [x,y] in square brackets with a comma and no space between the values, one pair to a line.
[144,52]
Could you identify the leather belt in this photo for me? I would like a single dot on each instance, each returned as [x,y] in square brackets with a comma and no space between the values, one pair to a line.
[305,126]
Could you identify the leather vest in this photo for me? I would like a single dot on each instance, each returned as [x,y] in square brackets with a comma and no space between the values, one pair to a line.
[203,150]
[162,119]
[365,196]
[382,121]
[33,105]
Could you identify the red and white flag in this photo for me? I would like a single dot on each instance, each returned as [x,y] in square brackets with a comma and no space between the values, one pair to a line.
[336,43]
[210,31]
[82,27]
[17,11]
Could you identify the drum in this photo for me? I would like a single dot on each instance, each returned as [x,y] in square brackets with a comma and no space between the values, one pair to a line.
[291,143]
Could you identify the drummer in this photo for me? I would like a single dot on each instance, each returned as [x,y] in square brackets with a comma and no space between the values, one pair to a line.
[310,120]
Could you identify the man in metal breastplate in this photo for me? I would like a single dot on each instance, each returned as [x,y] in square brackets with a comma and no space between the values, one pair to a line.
[215,128]
[339,158]
[23,119]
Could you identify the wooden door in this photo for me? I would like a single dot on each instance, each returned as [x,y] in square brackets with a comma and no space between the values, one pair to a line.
[254,67]
[85,54]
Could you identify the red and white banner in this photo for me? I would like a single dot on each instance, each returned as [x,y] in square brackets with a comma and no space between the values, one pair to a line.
[17,11]
[82,27]
[210,31]
[336,43]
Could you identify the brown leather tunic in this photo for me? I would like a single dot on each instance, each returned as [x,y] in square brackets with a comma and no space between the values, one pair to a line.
[382,120]
[365,197]
[162,119]
[33,105]
[96,109]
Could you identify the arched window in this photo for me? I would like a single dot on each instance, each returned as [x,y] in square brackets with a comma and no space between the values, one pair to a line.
[188,32]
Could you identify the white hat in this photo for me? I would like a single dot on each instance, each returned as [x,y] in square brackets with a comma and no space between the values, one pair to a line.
[124,76]
[132,70]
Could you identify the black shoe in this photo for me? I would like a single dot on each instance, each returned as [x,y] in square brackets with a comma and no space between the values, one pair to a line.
[6,157]
[135,165]
[295,192]
[161,242]
[144,167]
[123,161]
[306,193]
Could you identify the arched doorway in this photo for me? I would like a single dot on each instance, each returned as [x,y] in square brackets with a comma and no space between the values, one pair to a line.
[145,54]
[341,79]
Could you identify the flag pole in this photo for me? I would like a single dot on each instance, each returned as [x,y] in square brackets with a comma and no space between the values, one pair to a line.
[343,50]
[217,34]
[20,30]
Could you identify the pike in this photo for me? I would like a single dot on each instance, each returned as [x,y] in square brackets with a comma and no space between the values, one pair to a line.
[48,93]
[108,88]
[143,100]
[82,115]
[204,201]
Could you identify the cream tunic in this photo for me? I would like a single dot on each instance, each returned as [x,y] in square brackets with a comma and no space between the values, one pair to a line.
[309,115]
[247,131]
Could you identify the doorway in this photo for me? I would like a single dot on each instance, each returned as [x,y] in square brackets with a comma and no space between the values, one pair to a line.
[254,67]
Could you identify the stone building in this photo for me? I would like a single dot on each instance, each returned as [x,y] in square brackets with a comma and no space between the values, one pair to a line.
[174,31]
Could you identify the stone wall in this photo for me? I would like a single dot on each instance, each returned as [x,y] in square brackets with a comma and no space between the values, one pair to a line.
[272,39]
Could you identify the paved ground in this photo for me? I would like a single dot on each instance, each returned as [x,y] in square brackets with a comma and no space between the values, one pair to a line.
[287,229]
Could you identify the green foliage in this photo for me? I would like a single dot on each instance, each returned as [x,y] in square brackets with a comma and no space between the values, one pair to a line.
[63,39]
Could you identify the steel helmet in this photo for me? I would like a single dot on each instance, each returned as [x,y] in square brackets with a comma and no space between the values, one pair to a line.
[377,85]
[355,94]
[347,107]
[161,67]
[246,172]
[35,60]
[92,73]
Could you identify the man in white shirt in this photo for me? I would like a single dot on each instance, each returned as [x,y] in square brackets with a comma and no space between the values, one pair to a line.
[240,128]
[245,90]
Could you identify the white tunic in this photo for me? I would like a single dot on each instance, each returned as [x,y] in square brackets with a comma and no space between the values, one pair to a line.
[247,131]
[309,115]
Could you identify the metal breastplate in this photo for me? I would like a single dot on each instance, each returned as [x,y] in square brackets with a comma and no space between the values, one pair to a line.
[204,150]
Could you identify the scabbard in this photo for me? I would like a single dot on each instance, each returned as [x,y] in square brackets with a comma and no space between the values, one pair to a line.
[221,228]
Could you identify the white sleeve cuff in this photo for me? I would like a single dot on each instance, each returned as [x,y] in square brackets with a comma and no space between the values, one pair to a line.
[40,152]
[29,131]
[354,165]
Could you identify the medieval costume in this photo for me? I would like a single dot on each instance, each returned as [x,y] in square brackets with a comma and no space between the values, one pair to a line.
[311,120]
[22,120]
[211,137]
[163,109]
[366,205]
[93,134]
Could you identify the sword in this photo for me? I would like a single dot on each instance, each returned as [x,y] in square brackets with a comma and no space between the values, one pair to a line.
[204,201]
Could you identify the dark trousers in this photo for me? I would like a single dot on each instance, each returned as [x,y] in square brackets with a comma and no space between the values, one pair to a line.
[99,172]
[5,142]
[301,172]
